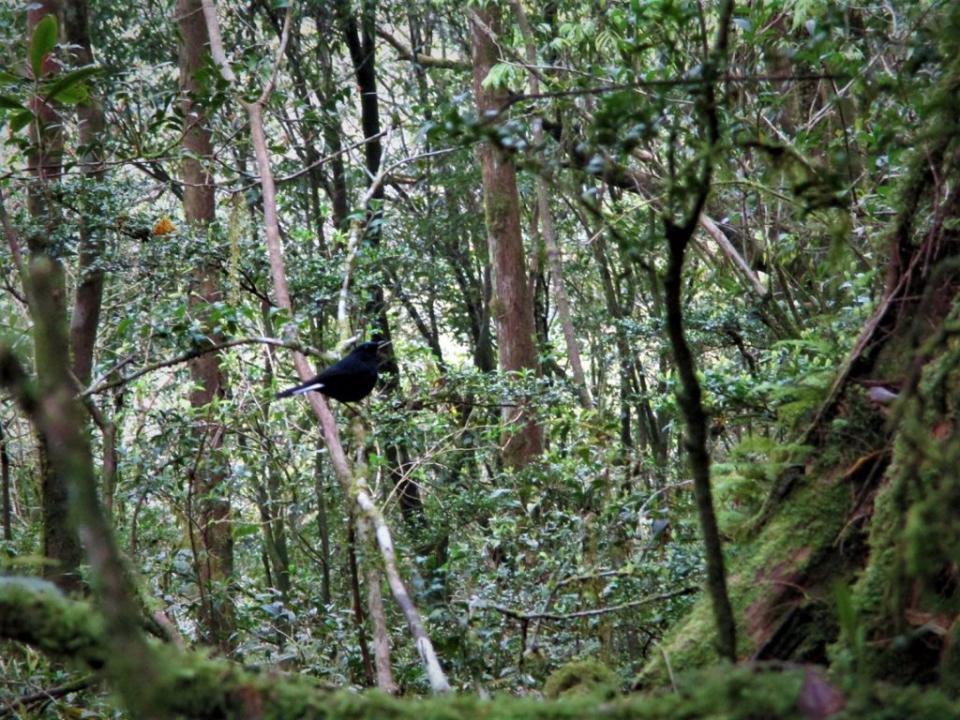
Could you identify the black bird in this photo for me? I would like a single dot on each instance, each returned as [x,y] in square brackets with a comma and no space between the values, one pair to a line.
[349,380]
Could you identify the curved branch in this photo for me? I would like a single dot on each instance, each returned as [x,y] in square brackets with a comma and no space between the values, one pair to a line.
[420,58]
[351,486]
[592,612]
[690,396]
[195,353]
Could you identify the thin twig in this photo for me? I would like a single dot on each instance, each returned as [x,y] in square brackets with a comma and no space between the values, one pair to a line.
[44,696]
[277,59]
[671,82]
[197,352]
[593,612]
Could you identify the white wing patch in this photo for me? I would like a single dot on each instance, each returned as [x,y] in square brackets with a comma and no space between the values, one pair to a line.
[308,388]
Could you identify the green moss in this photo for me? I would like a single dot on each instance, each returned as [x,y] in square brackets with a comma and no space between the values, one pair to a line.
[581,676]
[810,521]
[35,612]
[886,702]
[193,685]
[904,593]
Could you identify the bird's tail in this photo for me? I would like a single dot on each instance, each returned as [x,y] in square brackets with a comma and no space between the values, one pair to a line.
[300,389]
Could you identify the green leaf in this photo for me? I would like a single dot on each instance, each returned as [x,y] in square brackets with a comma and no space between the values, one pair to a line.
[68,87]
[10,103]
[20,120]
[73,96]
[498,76]
[42,43]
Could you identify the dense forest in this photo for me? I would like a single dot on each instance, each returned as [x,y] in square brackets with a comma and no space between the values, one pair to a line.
[660,298]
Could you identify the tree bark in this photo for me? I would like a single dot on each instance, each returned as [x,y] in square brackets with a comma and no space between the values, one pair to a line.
[548,229]
[89,293]
[212,528]
[58,417]
[60,542]
[358,614]
[378,617]
[513,308]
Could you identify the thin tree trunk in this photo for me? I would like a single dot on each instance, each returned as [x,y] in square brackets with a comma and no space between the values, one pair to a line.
[695,442]
[274,537]
[378,617]
[278,523]
[276,560]
[513,308]
[548,229]
[678,237]
[358,616]
[60,542]
[371,571]
[213,526]
[323,528]
[353,487]
[475,289]
[332,135]
[57,416]
[5,481]
[90,274]
[308,150]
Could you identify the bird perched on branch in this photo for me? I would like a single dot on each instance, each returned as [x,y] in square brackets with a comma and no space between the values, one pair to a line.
[349,380]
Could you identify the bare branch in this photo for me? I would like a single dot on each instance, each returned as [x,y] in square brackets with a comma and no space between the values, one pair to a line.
[284,38]
[593,612]
[195,353]
[352,486]
[420,58]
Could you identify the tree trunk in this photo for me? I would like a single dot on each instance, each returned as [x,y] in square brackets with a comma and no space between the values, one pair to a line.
[332,135]
[60,542]
[548,229]
[323,525]
[358,614]
[361,42]
[89,292]
[212,529]
[513,308]
[855,546]
[5,487]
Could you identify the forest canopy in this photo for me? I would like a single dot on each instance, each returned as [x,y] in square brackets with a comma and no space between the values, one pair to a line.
[627,335]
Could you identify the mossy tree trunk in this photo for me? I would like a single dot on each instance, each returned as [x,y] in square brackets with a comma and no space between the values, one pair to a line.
[85,319]
[853,558]
[60,543]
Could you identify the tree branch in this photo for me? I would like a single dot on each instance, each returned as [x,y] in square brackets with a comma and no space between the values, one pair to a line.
[593,612]
[420,58]
[353,487]
[678,237]
[195,353]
